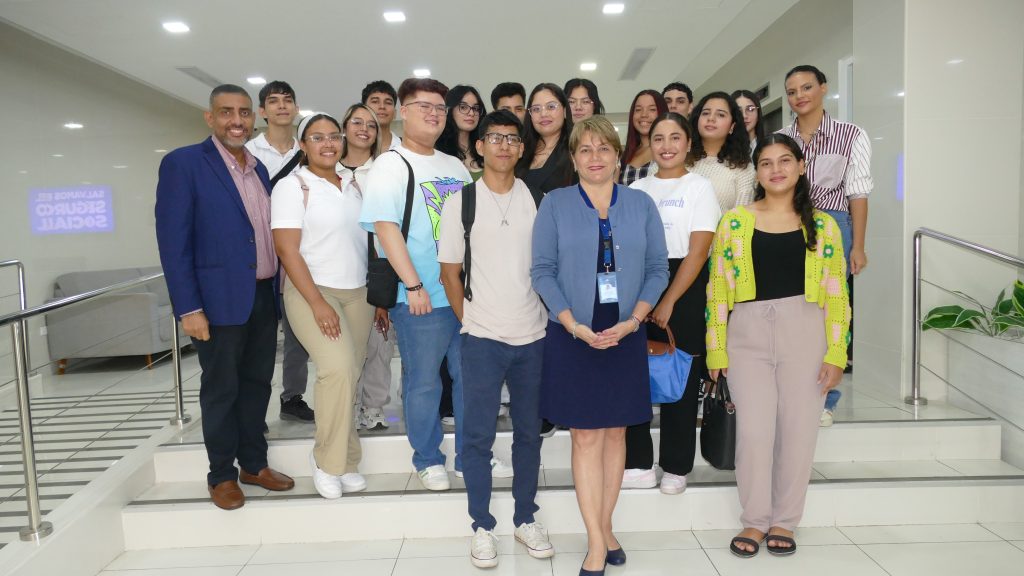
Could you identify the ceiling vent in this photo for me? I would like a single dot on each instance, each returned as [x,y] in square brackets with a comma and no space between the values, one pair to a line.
[637,60]
[200,75]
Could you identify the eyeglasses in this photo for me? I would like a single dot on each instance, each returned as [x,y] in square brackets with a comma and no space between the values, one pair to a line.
[581,102]
[495,138]
[321,138]
[550,107]
[467,109]
[749,109]
[356,122]
[426,107]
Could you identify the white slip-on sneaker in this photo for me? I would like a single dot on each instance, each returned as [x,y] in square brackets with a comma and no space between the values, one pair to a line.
[672,483]
[826,418]
[434,478]
[483,550]
[639,478]
[327,485]
[373,419]
[535,538]
[353,482]
[499,469]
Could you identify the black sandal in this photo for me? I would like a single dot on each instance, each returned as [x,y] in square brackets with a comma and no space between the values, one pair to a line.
[776,550]
[740,552]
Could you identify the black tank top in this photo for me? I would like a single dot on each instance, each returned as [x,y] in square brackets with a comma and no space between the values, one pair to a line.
[778,264]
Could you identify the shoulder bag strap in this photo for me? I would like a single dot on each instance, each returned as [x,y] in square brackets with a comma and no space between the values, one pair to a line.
[407,214]
[285,170]
[468,217]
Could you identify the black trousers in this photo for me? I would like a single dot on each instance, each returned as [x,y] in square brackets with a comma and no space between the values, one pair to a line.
[677,447]
[237,364]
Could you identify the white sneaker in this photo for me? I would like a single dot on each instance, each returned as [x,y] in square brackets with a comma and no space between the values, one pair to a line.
[499,469]
[535,538]
[639,478]
[372,418]
[502,410]
[671,483]
[655,409]
[483,551]
[328,485]
[448,421]
[826,418]
[434,478]
[353,482]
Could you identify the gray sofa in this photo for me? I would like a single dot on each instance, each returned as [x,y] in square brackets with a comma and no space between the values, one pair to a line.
[132,322]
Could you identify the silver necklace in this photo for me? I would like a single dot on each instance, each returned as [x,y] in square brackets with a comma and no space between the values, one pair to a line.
[504,213]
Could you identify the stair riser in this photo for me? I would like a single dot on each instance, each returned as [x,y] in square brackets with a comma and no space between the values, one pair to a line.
[392,454]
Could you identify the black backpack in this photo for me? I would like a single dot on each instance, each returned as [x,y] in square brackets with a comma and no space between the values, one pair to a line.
[468,216]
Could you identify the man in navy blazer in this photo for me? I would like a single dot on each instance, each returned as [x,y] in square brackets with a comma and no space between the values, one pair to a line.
[217,252]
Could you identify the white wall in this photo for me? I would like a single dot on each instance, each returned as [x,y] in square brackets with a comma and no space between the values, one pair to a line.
[44,87]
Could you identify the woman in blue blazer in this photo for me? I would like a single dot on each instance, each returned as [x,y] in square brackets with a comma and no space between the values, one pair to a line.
[599,263]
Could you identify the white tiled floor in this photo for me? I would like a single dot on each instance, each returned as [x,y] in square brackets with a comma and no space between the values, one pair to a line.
[943,550]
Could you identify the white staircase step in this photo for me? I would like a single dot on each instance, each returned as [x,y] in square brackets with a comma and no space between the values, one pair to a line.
[179,514]
[843,442]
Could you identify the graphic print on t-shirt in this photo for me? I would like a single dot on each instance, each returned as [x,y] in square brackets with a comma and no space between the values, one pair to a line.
[435,192]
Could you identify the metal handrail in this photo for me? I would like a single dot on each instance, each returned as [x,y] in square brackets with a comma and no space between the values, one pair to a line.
[37,529]
[915,398]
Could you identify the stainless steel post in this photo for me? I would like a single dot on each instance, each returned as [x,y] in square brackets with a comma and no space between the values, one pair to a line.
[36,529]
[915,398]
[180,417]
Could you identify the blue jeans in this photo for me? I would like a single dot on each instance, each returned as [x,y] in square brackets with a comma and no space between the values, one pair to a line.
[485,365]
[423,342]
[845,222]
[832,399]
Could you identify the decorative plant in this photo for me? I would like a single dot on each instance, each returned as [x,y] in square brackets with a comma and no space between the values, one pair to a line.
[1006,315]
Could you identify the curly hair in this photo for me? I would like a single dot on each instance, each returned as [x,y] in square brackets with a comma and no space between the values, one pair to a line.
[802,204]
[735,153]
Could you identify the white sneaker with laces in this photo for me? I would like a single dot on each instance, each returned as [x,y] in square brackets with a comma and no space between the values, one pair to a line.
[535,538]
[483,551]
[372,418]
[434,478]
[639,478]
[826,418]
[353,482]
[499,469]
[672,483]
[327,485]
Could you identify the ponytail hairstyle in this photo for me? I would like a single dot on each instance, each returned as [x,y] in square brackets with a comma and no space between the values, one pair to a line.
[802,195]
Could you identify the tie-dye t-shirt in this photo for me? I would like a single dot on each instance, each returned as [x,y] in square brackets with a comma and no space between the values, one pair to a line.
[437,177]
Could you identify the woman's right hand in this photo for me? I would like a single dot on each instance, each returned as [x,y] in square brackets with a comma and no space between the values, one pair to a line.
[326,319]
[714,374]
[661,313]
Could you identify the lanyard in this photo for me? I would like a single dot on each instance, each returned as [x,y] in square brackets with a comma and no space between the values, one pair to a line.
[606,243]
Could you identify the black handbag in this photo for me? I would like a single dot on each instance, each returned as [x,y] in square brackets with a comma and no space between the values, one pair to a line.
[718,427]
[381,279]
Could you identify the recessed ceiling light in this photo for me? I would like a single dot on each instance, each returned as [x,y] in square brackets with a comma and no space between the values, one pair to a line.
[159,150]
[901,94]
[57,155]
[74,126]
[588,66]
[305,112]
[613,8]
[421,72]
[176,27]
[879,138]
[955,61]
[256,80]
[395,16]
[22,171]
[835,96]
[120,166]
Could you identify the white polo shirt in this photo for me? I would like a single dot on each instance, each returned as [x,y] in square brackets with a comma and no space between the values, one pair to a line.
[687,204]
[269,155]
[333,244]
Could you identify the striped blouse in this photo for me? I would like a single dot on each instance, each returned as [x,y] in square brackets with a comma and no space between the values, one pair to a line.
[632,173]
[838,161]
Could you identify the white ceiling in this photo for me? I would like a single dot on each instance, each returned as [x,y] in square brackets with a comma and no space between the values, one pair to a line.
[329,49]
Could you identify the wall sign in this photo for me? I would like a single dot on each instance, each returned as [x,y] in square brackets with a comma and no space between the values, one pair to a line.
[76,210]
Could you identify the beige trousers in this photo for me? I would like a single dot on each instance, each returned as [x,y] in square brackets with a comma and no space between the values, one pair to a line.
[338,363]
[776,349]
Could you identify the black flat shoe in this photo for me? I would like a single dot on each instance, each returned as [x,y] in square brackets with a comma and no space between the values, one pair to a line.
[616,557]
[776,550]
[585,572]
[740,552]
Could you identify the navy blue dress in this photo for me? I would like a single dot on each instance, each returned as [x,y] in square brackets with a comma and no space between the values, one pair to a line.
[583,387]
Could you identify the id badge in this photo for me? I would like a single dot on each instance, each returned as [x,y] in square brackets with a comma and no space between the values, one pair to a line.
[607,288]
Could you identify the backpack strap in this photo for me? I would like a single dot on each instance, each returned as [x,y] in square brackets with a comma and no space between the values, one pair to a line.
[305,190]
[468,216]
[407,214]
[286,169]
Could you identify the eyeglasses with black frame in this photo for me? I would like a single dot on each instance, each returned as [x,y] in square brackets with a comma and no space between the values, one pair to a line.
[496,138]
[470,109]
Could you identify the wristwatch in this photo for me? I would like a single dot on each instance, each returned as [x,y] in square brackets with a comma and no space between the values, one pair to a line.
[415,288]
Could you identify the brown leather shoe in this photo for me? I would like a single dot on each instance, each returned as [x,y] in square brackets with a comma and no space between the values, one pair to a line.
[267,478]
[227,495]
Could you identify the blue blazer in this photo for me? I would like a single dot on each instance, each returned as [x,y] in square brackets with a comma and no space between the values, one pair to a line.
[565,239]
[206,241]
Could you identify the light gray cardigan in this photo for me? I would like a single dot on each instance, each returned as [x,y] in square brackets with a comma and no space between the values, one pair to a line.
[565,245]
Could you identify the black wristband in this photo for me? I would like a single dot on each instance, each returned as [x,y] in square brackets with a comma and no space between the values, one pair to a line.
[415,288]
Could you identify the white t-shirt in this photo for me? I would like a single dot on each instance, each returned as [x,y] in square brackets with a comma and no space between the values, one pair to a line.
[269,155]
[438,177]
[504,307]
[686,205]
[333,244]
